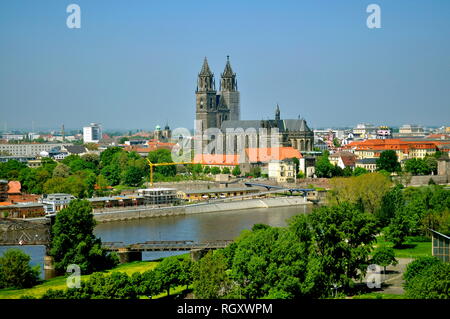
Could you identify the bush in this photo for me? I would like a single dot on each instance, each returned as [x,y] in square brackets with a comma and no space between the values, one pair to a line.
[433,282]
[15,270]
[417,266]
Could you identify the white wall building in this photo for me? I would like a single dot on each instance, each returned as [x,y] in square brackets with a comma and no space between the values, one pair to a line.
[92,133]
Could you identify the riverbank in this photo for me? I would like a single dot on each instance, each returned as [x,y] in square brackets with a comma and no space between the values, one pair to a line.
[138,213]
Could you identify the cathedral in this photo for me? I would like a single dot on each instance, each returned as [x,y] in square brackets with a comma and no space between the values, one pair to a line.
[221,110]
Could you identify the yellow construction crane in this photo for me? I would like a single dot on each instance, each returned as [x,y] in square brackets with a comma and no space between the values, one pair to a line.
[162,164]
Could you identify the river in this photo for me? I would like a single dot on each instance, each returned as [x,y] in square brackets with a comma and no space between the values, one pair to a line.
[197,227]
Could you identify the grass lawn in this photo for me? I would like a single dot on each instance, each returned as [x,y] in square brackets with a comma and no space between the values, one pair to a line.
[60,282]
[412,249]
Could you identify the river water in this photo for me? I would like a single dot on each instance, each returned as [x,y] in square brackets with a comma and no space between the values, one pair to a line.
[197,227]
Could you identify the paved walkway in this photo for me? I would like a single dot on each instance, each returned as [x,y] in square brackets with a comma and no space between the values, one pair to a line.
[392,283]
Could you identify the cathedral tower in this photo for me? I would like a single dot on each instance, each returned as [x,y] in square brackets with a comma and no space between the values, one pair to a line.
[229,92]
[206,101]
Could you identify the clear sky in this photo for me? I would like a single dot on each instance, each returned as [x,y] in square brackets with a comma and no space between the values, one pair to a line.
[133,64]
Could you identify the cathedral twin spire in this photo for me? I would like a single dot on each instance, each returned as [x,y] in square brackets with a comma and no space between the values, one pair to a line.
[206,81]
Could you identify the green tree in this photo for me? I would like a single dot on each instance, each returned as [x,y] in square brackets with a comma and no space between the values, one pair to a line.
[215,170]
[388,161]
[323,167]
[133,176]
[343,238]
[163,156]
[112,173]
[148,283]
[15,270]
[391,202]
[61,170]
[107,155]
[206,170]
[210,279]
[256,171]
[168,272]
[226,170]
[73,241]
[384,256]
[399,228]
[236,171]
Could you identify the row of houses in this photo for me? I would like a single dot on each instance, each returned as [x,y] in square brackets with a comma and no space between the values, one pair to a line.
[365,153]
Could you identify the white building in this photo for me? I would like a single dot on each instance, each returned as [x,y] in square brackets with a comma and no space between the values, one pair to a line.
[55,202]
[29,149]
[92,133]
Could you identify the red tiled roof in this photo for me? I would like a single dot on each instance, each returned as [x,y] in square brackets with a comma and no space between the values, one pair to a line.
[14,187]
[267,154]
[216,159]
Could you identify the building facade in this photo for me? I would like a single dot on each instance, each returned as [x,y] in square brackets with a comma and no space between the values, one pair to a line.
[92,133]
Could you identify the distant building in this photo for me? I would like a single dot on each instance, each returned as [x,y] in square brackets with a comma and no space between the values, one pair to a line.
[216,193]
[343,159]
[411,130]
[159,196]
[384,132]
[282,171]
[29,149]
[369,164]
[364,130]
[3,190]
[92,133]
[441,246]
[404,149]
[55,202]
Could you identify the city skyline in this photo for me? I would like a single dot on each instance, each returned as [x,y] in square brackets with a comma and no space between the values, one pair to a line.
[134,66]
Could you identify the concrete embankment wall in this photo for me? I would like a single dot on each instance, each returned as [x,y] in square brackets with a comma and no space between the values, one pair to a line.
[200,208]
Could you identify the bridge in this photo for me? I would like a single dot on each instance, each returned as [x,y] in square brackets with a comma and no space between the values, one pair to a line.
[166,245]
[133,252]
[280,188]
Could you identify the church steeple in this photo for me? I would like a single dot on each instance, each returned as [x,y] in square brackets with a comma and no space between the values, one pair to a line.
[277,113]
[228,81]
[206,82]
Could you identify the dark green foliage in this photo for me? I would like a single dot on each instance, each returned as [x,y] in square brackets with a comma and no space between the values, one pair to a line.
[226,170]
[15,270]
[162,156]
[416,267]
[133,176]
[215,170]
[433,282]
[388,161]
[73,241]
[399,228]
[323,166]
[236,171]
[384,256]
[168,272]
[209,276]
[343,236]
[391,203]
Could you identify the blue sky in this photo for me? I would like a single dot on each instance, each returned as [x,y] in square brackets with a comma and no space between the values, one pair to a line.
[133,64]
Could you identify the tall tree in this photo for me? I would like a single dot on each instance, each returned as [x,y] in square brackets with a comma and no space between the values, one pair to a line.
[388,161]
[16,271]
[73,241]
